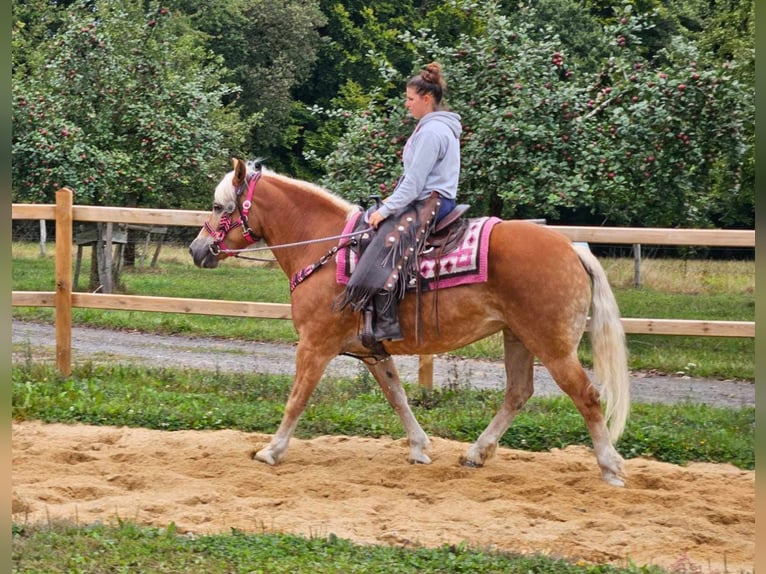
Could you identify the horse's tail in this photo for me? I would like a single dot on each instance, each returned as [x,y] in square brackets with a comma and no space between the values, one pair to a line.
[610,363]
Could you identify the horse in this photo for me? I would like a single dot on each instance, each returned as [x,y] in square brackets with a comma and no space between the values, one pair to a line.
[539,290]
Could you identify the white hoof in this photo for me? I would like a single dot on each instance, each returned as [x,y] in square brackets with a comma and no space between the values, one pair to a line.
[475,457]
[265,455]
[613,479]
[470,462]
[420,458]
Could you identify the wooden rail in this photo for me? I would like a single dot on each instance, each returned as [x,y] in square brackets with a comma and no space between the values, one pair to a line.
[63,299]
[190,218]
[660,236]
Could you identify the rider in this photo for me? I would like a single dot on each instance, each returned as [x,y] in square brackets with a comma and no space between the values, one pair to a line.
[431,159]
[431,155]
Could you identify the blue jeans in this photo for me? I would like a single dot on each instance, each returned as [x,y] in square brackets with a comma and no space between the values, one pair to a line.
[447,205]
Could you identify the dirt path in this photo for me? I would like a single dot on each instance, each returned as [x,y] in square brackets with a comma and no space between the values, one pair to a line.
[699,518]
[209,353]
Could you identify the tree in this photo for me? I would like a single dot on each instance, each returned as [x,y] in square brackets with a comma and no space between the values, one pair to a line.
[269,48]
[640,142]
[122,105]
[352,40]
[34,23]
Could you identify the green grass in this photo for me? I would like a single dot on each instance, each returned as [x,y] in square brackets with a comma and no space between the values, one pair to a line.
[173,399]
[671,289]
[175,277]
[125,547]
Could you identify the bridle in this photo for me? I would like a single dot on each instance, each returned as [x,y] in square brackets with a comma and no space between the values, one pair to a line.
[226,224]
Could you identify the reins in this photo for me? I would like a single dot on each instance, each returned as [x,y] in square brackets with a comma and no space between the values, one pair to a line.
[304,273]
[236,252]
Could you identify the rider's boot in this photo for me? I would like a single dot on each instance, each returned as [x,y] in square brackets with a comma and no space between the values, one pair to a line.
[386,318]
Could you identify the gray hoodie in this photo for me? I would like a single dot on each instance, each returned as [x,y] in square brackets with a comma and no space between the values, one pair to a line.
[431,160]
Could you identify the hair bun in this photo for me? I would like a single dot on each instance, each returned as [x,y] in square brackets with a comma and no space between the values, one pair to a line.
[432,73]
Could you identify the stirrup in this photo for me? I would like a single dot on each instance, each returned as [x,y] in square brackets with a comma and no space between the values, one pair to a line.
[391,335]
[368,338]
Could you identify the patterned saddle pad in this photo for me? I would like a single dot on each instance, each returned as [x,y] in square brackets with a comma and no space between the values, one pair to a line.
[465,264]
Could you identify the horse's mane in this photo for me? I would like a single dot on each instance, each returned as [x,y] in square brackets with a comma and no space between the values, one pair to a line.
[313,188]
[225,193]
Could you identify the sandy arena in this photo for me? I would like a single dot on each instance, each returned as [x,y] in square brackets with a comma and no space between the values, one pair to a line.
[700,516]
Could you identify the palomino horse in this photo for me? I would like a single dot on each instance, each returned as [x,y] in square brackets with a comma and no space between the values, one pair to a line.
[539,291]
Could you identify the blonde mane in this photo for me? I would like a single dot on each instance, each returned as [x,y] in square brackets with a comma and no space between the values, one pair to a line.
[225,193]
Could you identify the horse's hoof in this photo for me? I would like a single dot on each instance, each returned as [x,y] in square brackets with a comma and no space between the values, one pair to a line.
[470,463]
[265,456]
[613,479]
[420,459]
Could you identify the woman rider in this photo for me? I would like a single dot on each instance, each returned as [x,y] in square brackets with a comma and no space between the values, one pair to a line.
[431,159]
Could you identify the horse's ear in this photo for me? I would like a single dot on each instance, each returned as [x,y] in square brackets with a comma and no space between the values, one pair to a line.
[240,171]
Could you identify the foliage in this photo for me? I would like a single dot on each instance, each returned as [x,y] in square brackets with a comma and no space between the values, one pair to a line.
[640,142]
[173,399]
[268,49]
[125,546]
[121,105]
[666,138]
[347,78]
[34,23]
[313,73]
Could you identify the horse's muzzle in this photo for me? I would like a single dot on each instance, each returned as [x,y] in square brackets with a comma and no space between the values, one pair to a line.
[202,252]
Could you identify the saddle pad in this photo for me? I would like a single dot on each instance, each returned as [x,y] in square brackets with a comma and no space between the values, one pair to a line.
[464,265]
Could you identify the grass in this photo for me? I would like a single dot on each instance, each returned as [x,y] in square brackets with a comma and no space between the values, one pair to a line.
[671,289]
[173,399]
[125,547]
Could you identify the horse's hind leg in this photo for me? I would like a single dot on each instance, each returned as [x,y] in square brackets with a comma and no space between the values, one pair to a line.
[388,378]
[573,380]
[519,386]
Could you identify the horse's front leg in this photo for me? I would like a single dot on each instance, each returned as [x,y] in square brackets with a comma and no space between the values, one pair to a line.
[309,366]
[388,378]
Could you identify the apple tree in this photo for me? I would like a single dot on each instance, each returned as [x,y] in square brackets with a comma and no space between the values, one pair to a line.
[123,107]
[644,140]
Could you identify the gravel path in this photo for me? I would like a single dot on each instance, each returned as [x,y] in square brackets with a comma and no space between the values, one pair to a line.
[226,355]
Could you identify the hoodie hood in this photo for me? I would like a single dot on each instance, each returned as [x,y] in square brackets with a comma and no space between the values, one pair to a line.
[450,119]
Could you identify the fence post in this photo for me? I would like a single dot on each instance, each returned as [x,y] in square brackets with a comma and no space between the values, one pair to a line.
[43,237]
[426,371]
[63,295]
[636,265]
[106,279]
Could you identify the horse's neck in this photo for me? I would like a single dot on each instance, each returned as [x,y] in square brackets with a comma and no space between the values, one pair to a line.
[292,215]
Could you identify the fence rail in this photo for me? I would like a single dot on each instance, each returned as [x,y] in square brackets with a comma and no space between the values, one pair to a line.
[63,299]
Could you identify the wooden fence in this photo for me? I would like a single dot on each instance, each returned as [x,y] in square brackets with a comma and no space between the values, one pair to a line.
[63,299]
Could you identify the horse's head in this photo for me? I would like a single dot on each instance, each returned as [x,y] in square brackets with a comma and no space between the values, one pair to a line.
[228,228]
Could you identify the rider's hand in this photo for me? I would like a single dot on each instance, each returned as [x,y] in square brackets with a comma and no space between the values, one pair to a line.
[375,219]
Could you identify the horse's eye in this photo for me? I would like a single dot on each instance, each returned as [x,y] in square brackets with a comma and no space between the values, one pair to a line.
[217,207]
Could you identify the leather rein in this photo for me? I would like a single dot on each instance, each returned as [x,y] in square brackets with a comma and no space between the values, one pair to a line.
[225,224]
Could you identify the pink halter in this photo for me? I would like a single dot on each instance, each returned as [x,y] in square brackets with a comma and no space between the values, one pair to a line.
[225,223]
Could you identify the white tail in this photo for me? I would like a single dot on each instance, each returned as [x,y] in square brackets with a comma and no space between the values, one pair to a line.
[610,363]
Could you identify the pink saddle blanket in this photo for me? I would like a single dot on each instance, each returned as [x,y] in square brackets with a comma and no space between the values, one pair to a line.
[462,266]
